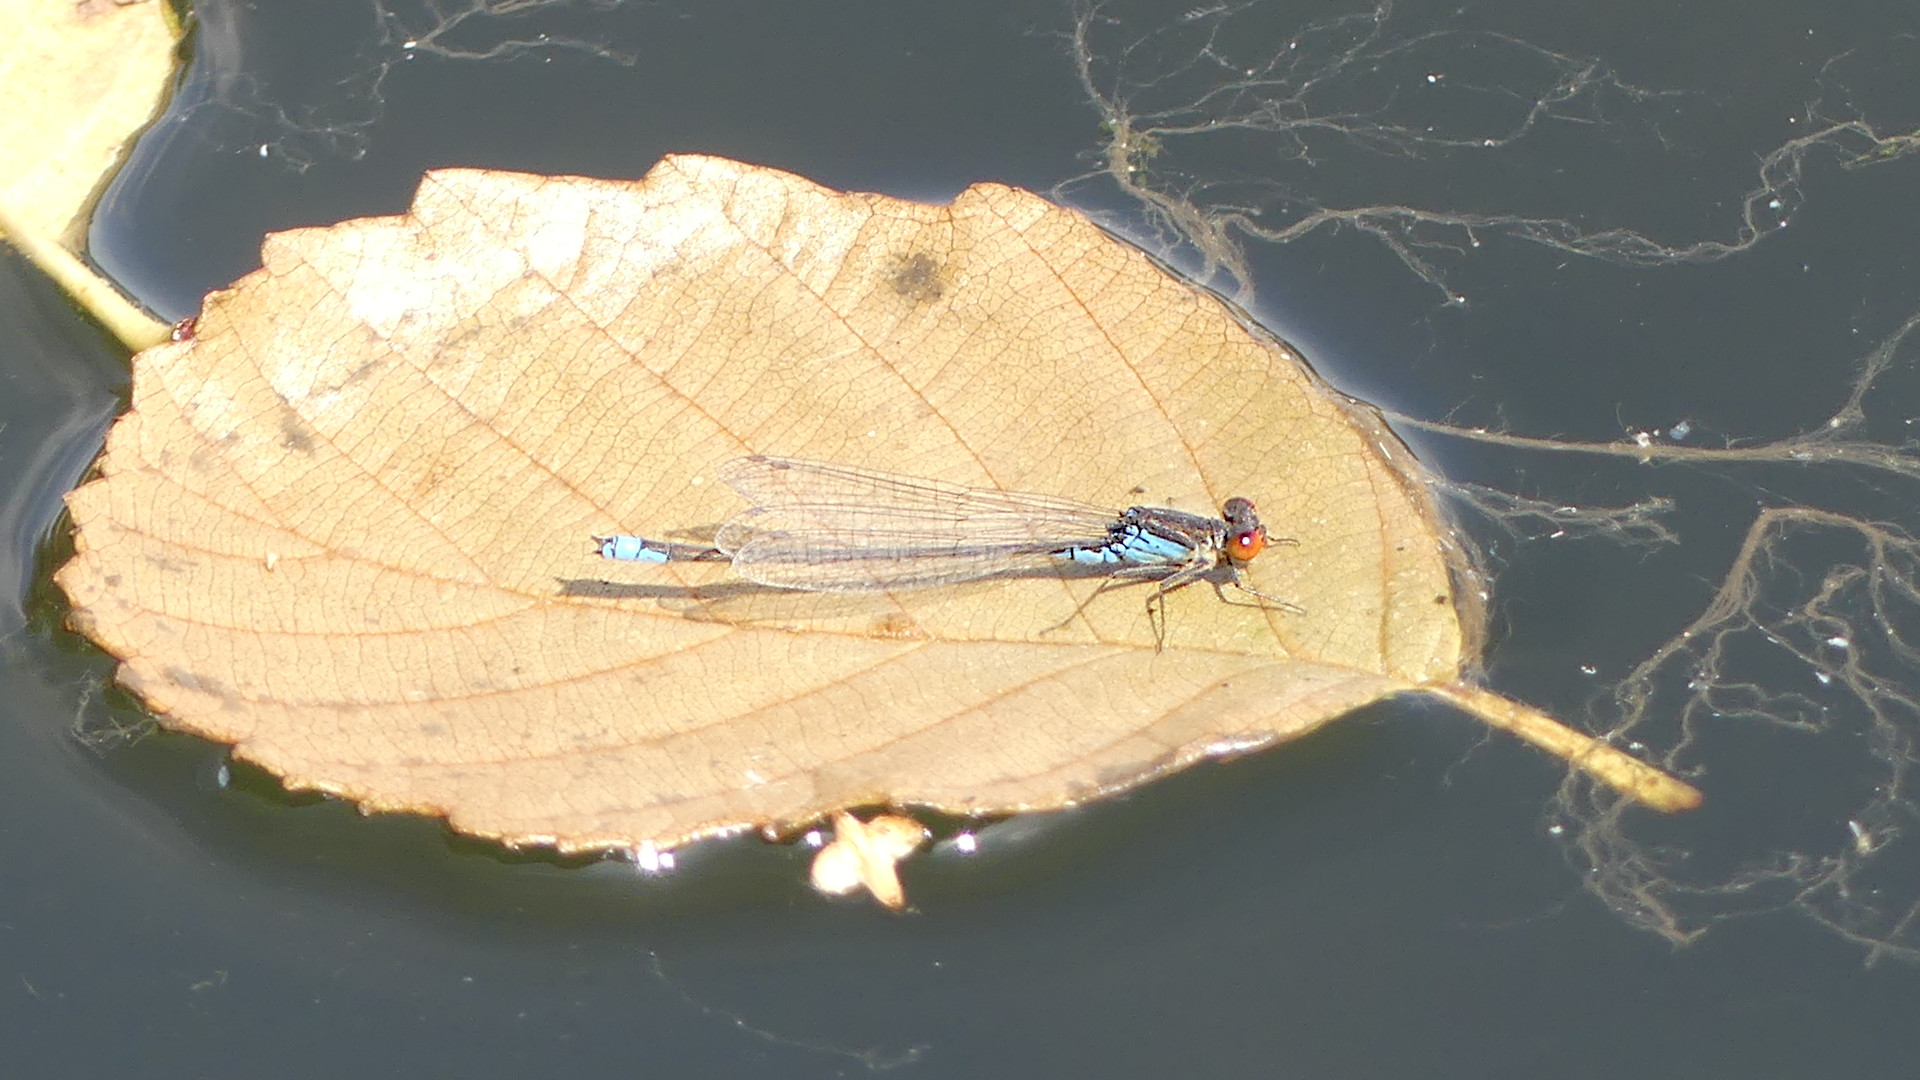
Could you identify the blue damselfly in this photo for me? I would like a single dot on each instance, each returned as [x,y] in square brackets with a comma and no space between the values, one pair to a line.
[819,527]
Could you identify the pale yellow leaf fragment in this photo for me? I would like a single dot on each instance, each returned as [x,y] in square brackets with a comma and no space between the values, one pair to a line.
[346,526]
[79,78]
[865,855]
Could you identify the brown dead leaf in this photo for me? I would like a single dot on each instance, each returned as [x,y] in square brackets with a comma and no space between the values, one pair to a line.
[346,526]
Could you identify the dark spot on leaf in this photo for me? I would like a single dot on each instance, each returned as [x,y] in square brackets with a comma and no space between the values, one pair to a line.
[895,625]
[169,565]
[180,676]
[438,471]
[294,434]
[917,277]
[359,374]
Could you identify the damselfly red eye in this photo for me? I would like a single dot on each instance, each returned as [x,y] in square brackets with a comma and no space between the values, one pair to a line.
[1242,546]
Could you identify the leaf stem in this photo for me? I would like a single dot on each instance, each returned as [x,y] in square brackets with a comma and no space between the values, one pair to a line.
[94,293]
[1626,774]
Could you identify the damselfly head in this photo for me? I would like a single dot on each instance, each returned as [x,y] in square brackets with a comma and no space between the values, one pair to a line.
[1246,537]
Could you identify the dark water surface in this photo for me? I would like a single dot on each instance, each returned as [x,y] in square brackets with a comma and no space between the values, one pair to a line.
[1393,897]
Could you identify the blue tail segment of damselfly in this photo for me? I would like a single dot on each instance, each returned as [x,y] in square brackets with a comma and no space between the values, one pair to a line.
[835,528]
[641,549]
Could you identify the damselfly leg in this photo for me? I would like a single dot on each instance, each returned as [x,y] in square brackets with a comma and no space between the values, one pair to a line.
[1167,578]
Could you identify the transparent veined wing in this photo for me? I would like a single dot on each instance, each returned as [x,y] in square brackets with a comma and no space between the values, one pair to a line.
[840,528]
